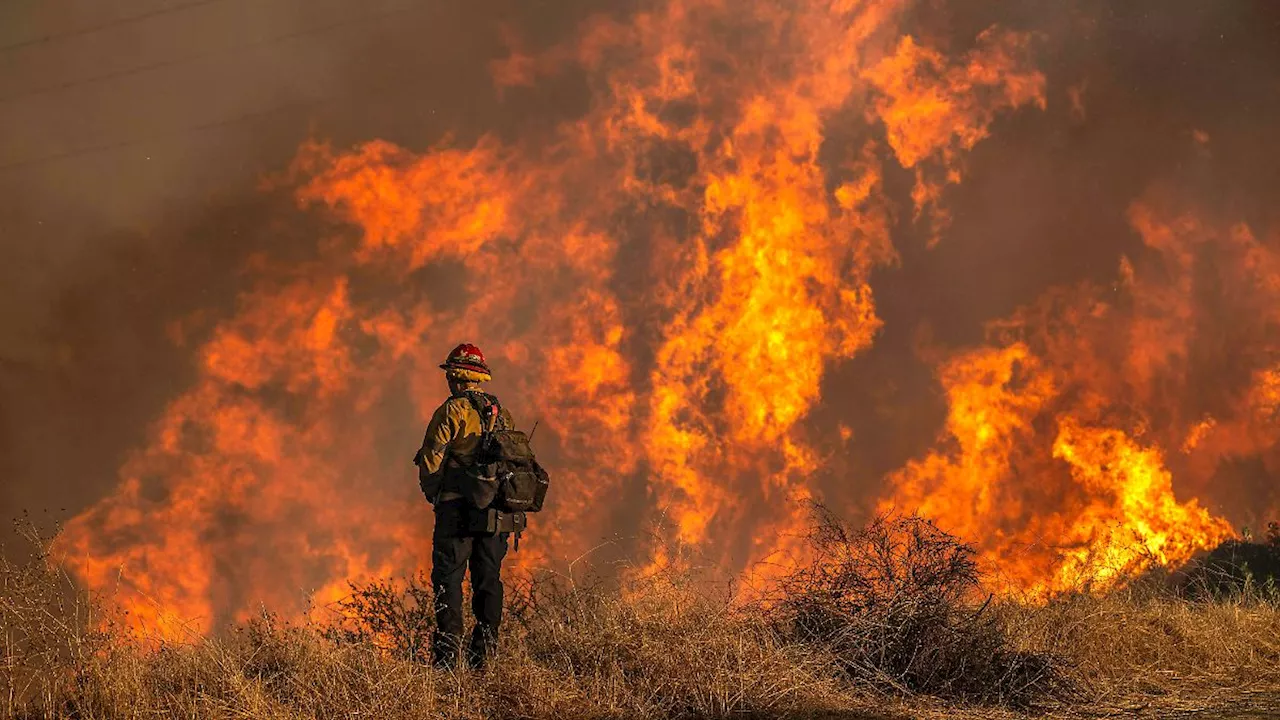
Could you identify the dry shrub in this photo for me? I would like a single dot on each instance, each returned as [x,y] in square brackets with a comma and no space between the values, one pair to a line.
[47,626]
[397,618]
[897,605]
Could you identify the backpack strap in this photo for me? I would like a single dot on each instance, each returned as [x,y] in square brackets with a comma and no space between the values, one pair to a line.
[486,425]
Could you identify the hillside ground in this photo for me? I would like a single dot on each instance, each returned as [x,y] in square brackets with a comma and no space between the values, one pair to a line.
[889,621]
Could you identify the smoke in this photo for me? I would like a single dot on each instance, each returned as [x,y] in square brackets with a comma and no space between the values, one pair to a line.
[117,324]
[130,202]
[1046,197]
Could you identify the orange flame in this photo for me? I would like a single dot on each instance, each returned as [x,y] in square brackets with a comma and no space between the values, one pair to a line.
[932,109]
[1053,455]
[663,287]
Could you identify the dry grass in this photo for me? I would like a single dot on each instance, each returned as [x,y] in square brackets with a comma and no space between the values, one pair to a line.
[890,624]
[1138,649]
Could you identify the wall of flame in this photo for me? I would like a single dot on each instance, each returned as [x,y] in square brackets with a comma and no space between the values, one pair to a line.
[664,286]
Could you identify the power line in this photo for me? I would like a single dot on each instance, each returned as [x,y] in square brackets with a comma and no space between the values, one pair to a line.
[104,26]
[179,132]
[116,75]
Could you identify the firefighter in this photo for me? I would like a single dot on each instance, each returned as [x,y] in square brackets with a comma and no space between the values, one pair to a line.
[451,440]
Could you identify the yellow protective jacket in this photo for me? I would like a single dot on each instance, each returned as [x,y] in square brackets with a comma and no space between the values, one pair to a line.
[451,440]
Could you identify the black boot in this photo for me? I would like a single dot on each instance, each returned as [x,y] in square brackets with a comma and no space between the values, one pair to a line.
[444,650]
[483,646]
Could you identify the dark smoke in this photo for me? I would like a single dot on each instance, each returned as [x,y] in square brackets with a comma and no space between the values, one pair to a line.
[101,252]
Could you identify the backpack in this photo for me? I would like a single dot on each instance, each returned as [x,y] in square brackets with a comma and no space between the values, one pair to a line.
[504,472]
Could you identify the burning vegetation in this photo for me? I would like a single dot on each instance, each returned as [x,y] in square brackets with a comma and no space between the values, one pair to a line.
[669,284]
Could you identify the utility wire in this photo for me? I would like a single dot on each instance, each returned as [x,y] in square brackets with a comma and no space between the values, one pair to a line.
[192,129]
[154,137]
[129,20]
[202,127]
[240,46]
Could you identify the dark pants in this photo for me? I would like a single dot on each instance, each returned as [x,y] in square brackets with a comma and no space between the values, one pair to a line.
[453,549]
